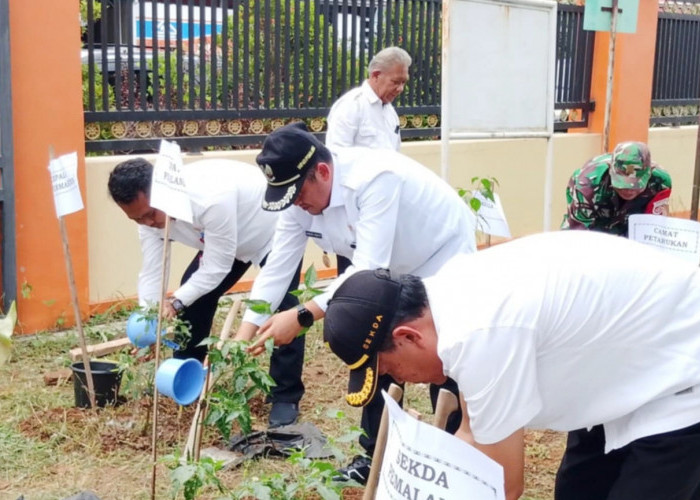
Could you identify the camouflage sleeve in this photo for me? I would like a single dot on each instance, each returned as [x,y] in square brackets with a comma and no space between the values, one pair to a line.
[579,213]
[661,178]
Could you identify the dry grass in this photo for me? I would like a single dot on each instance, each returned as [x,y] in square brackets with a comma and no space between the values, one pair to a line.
[51,450]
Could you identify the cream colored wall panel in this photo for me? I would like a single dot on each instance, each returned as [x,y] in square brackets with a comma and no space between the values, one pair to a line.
[517,164]
[674,150]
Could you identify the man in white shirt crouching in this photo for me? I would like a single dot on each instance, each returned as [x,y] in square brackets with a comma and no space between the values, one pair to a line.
[566,330]
[230,232]
[376,207]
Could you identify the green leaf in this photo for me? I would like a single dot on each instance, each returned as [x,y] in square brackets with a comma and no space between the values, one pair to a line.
[259,306]
[183,473]
[327,493]
[475,204]
[310,276]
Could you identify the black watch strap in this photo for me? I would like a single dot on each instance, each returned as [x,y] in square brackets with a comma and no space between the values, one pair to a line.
[177,304]
[304,316]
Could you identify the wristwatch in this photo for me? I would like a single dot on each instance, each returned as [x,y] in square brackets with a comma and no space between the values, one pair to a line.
[304,316]
[177,304]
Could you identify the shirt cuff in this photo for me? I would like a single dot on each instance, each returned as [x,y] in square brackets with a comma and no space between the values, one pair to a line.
[322,300]
[257,319]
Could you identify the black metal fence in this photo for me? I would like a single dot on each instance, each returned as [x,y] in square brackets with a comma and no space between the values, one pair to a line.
[574,64]
[676,83]
[225,72]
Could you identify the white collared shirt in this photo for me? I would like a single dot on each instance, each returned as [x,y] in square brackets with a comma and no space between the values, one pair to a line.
[228,223]
[571,329]
[359,118]
[385,211]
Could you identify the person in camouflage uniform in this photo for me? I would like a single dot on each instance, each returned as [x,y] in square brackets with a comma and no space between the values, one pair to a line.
[609,188]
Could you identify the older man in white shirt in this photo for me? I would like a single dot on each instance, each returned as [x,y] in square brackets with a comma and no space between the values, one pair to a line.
[230,232]
[364,116]
[377,207]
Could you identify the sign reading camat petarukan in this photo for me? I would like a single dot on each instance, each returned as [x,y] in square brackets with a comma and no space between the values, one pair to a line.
[422,462]
[679,237]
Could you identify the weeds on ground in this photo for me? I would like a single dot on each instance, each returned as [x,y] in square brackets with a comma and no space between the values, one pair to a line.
[307,476]
[52,450]
[191,476]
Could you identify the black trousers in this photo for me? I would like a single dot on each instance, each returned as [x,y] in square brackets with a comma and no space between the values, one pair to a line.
[372,412]
[343,263]
[286,362]
[663,466]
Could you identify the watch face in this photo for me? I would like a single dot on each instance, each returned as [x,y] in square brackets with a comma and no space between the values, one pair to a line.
[304,316]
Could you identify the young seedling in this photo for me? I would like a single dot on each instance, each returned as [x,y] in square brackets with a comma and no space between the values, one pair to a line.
[483,187]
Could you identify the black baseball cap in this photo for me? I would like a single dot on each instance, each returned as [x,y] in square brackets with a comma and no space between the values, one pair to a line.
[356,324]
[286,156]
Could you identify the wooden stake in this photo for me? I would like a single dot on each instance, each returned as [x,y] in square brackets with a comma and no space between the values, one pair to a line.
[76,312]
[194,438]
[395,392]
[163,291]
[611,67]
[447,403]
[74,301]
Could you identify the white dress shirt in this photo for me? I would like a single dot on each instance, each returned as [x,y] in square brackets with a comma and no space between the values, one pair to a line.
[385,211]
[359,118]
[228,223]
[569,329]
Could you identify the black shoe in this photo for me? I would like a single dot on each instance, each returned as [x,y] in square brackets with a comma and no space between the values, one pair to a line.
[357,470]
[283,414]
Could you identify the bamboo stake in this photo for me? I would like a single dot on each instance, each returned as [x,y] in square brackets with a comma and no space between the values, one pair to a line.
[163,291]
[395,392]
[611,67]
[446,404]
[74,301]
[76,313]
[194,438]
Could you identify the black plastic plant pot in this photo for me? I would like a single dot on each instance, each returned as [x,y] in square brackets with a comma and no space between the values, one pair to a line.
[106,377]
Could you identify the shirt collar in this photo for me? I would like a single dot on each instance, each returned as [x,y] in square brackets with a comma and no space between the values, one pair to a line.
[337,190]
[369,93]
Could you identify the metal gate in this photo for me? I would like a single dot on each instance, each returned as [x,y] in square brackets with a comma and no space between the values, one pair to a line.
[7,191]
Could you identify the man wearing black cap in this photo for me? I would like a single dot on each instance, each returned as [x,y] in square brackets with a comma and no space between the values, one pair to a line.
[376,207]
[611,344]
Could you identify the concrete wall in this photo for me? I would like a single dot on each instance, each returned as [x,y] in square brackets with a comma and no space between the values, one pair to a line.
[518,165]
[674,150]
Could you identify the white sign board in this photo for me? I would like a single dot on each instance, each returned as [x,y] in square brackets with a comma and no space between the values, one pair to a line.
[422,462]
[491,219]
[498,67]
[168,188]
[499,56]
[64,180]
[679,237]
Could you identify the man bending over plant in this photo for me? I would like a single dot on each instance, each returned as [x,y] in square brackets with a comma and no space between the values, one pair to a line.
[230,232]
